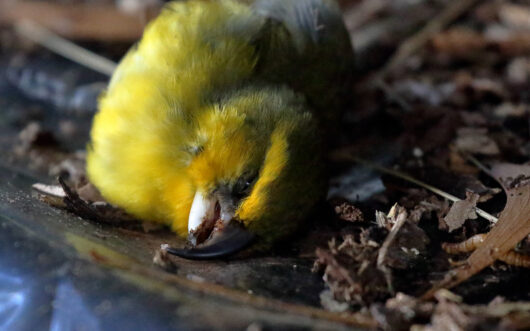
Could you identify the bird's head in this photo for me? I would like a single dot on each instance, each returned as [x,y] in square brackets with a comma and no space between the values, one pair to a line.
[256,169]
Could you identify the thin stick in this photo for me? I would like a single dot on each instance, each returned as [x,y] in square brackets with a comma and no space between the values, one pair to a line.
[413,180]
[478,164]
[61,46]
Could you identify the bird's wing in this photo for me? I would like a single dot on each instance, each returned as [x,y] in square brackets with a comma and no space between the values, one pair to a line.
[308,21]
[306,45]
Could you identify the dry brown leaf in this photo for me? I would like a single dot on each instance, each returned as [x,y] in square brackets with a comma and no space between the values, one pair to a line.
[512,227]
[515,44]
[451,314]
[515,16]
[509,109]
[459,42]
[476,141]
[461,211]
[505,173]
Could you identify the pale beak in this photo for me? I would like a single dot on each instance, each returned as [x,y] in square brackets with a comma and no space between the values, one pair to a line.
[202,209]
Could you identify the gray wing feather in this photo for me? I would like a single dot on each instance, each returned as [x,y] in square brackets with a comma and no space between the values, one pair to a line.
[314,58]
[316,21]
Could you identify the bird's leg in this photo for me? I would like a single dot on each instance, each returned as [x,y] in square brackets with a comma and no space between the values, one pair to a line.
[470,244]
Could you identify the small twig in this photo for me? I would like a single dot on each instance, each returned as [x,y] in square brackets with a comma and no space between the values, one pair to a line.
[450,13]
[382,254]
[485,169]
[69,50]
[477,163]
[398,174]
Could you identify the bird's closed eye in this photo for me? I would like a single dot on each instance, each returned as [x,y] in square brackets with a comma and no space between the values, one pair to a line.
[243,186]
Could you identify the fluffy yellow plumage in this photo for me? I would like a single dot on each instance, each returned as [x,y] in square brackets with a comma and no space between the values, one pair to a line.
[193,109]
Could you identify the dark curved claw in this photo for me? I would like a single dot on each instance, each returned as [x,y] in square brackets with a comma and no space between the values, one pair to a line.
[231,240]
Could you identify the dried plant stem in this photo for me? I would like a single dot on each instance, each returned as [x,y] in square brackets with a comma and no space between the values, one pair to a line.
[413,180]
[61,46]
[478,164]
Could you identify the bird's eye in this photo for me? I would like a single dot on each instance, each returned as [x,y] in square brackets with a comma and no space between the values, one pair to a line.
[243,186]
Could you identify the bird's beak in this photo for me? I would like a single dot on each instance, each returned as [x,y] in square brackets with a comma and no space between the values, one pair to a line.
[204,213]
[212,229]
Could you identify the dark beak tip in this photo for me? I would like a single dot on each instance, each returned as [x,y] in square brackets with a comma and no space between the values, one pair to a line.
[232,240]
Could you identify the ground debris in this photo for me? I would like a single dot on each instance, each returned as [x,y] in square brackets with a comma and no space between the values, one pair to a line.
[72,167]
[349,212]
[476,141]
[401,312]
[512,227]
[461,211]
[450,313]
[350,269]
[99,211]
[459,41]
[358,268]
[85,202]
[404,312]
[162,259]
[33,135]
[38,147]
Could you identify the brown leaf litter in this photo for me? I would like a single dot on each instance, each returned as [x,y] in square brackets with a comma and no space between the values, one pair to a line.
[404,312]
[513,226]
[359,269]
[461,211]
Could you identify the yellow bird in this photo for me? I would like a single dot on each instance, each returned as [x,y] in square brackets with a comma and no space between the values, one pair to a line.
[216,118]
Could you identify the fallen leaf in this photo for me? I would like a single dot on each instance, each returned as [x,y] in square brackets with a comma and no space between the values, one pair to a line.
[461,211]
[512,227]
[506,173]
[515,16]
[459,42]
[507,109]
[476,141]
